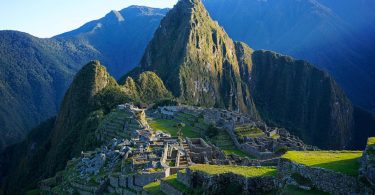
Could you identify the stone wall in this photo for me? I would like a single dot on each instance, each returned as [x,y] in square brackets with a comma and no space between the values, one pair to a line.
[146,178]
[217,184]
[169,189]
[368,164]
[249,149]
[322,179]
[136,181]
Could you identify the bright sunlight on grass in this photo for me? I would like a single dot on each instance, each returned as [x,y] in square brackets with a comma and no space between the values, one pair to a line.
[346,162]
[239,170]
[169,126]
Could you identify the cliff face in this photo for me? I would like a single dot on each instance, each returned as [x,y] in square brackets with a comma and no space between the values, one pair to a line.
[198,61]
[337,36]
[294,94]
[201,65]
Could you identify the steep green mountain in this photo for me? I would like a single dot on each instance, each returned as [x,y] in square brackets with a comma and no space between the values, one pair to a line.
[71,132]
[35,73]
[197,60]
[296,95]
[91,96]
[336,36]
[201,65]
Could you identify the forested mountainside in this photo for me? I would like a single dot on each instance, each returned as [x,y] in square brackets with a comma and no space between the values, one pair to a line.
[203,66]
[336,36]
[48,147]
[193,59]
[35,73]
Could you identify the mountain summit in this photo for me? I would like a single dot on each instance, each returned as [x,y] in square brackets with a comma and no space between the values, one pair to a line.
[201,65]
[198,61]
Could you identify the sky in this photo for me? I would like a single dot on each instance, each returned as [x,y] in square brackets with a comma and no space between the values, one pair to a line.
[46,18]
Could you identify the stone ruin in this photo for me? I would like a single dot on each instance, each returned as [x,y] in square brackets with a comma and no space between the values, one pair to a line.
[134,154]
[263,147]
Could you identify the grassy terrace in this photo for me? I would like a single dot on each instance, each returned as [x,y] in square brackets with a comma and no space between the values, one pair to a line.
[244,171]
[169,126]
[346,162]
[249,131]
[371,141]
[153,188]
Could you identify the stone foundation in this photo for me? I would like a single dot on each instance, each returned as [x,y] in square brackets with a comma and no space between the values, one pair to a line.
[217,184]
[322,179]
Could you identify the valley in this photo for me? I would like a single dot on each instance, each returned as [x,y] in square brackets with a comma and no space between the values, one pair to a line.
[173,105]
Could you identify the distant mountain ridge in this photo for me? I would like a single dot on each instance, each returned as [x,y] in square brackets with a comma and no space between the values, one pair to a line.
[192,57]
[335,36]
[201,65]
[35,73]
[120,36]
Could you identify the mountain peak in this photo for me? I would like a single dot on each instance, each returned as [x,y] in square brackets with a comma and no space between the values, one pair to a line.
[115,15]
[197,60]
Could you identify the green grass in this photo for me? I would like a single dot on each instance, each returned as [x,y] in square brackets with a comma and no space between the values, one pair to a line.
[153,188]
[371,141]
[346,162]
[239,170]
[172,180]
[169,126]
[249,131]
[294,190]
[276,136]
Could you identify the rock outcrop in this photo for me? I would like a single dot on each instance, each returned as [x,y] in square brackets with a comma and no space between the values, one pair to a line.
[201,65]
[198,61]
[294,94]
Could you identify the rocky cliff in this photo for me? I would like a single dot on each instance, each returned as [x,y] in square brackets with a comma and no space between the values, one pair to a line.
[294,94]
[198,61]
[201,65]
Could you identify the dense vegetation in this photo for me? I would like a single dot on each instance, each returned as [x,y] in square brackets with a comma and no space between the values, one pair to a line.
[91,96]
[35,73]
[197,60]
[201,65]
[337,36]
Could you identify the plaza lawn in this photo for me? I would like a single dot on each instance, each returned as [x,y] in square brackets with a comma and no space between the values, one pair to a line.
[239,170]
[346,162]
[169,126]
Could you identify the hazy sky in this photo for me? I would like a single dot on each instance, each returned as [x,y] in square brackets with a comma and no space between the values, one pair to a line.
[45,18]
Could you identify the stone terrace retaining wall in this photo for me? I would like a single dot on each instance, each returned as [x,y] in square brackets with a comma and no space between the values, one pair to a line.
[216,184]
[322,179]
[169,189]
